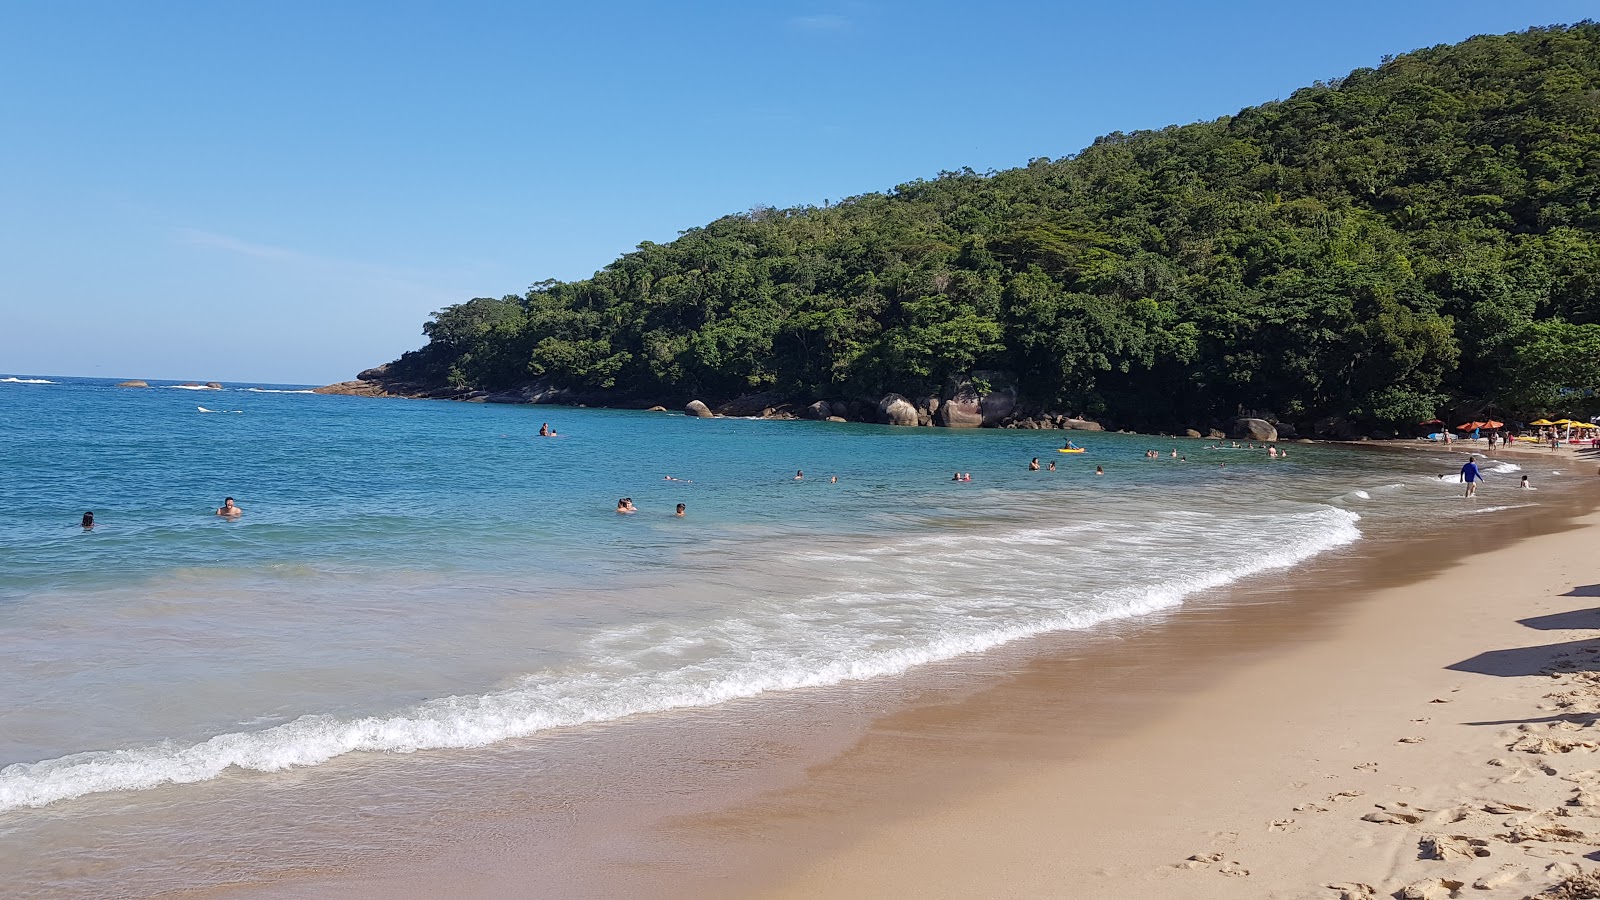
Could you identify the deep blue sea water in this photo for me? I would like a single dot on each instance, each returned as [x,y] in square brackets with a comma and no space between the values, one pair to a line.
[413,575]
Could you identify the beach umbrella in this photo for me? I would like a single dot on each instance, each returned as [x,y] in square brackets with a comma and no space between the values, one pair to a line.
[1542,422]
[1560,422]
[1468,426]
[1493,424]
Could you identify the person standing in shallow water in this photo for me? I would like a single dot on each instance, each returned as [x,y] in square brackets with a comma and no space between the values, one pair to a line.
[1033,465]
[227,510]
[1471,475]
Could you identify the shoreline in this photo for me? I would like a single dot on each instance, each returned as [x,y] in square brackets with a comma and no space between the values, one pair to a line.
[1059,710]
[1438,733]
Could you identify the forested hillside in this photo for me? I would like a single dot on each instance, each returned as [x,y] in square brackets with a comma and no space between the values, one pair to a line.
[1409,239]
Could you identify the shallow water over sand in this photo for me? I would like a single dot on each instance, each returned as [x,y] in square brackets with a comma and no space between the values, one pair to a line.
[413,576]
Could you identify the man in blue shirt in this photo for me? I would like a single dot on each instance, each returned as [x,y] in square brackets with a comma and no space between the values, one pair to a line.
[1471,475]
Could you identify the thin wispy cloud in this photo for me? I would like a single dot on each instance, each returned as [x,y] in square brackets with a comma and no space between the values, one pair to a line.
[820,22]
[311,262]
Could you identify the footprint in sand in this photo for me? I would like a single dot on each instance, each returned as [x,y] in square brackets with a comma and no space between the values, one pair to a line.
[1310,807]
[1281,825]
[1233,870]
[1453,846]
[1510,873]
[1366,767]
[1345,795]
[1412,740]
[1353,890]
[1430,889]
[1396,813]
[1200,861]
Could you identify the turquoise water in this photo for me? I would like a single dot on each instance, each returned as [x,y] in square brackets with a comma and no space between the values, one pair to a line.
[424,575]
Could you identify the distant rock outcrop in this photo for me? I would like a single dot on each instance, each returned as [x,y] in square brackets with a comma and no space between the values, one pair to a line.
[697,409]
[133,384]
[214,385]
[894,409]
[1255,430]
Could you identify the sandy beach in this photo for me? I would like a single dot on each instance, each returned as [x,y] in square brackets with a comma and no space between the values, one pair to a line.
[1435,739]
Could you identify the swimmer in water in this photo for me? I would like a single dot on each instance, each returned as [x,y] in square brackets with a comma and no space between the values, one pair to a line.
[1099,471]
[88,517]
[681,510]
[625,506]
[227,510]
[1033,466]
[799,475]
[956,477]
[1052,465]
[544,430]
[833,479]
[1524,485]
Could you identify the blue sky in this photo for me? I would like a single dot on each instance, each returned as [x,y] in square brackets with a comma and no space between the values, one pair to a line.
[282,192]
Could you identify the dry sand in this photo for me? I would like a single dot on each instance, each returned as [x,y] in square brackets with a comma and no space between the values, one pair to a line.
[1436,739]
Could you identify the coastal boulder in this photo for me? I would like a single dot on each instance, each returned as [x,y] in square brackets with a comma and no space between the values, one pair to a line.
[836,419]
[133,384]
[996,407]
[1082,425]
[1255,430]
[697,409]
[656,409]
[894,409]
[819,410]
[1190,432]
[213,385]
[960,412]
[749,405]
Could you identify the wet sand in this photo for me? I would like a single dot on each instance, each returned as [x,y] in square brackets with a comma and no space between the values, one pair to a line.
[1252,730]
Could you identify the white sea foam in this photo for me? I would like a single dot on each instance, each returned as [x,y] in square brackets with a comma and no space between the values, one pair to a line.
[1490,509]
[190,387]
[1503,468]
[896,617]
[26,381]
[278,391]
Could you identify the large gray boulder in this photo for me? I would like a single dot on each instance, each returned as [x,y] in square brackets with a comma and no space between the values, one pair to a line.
[996,407]
[697,409]
[1255,430]
[819,410]
[961,411]
[894,409]
[1082,425]
[134,383]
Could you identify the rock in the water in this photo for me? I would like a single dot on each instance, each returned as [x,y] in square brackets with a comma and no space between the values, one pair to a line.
[960,412]
[697,409]
[1190,432]
[656,409]
[214,385]
[819,410]
[749,405]
[133,384]
[1215,434]
[1082,425]
[894,409]
[1287,432]
[997,407]
[836,419]
[1255,430]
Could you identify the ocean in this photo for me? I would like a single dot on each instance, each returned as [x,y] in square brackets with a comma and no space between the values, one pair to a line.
[414,576]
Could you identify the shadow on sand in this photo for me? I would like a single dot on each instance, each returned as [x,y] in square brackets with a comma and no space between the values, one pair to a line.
[1573,656]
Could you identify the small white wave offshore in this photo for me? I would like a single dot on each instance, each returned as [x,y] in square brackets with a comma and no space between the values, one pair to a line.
[190,387]
[1505,468]
[900,605]
[278,391]
[10,380]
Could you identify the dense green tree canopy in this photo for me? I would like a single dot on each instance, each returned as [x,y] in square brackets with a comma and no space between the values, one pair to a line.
[1406,238]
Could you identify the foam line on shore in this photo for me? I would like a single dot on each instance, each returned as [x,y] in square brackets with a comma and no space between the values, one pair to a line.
[748,659]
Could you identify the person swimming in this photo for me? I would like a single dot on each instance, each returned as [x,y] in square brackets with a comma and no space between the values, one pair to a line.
[1524,486]
[1052,465]
[88,517]
[228,510]
[799,475]
[956,477]
[833,479]
[625,506]
[681,510]
[1099,471]
[546,431]
[1033,465]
